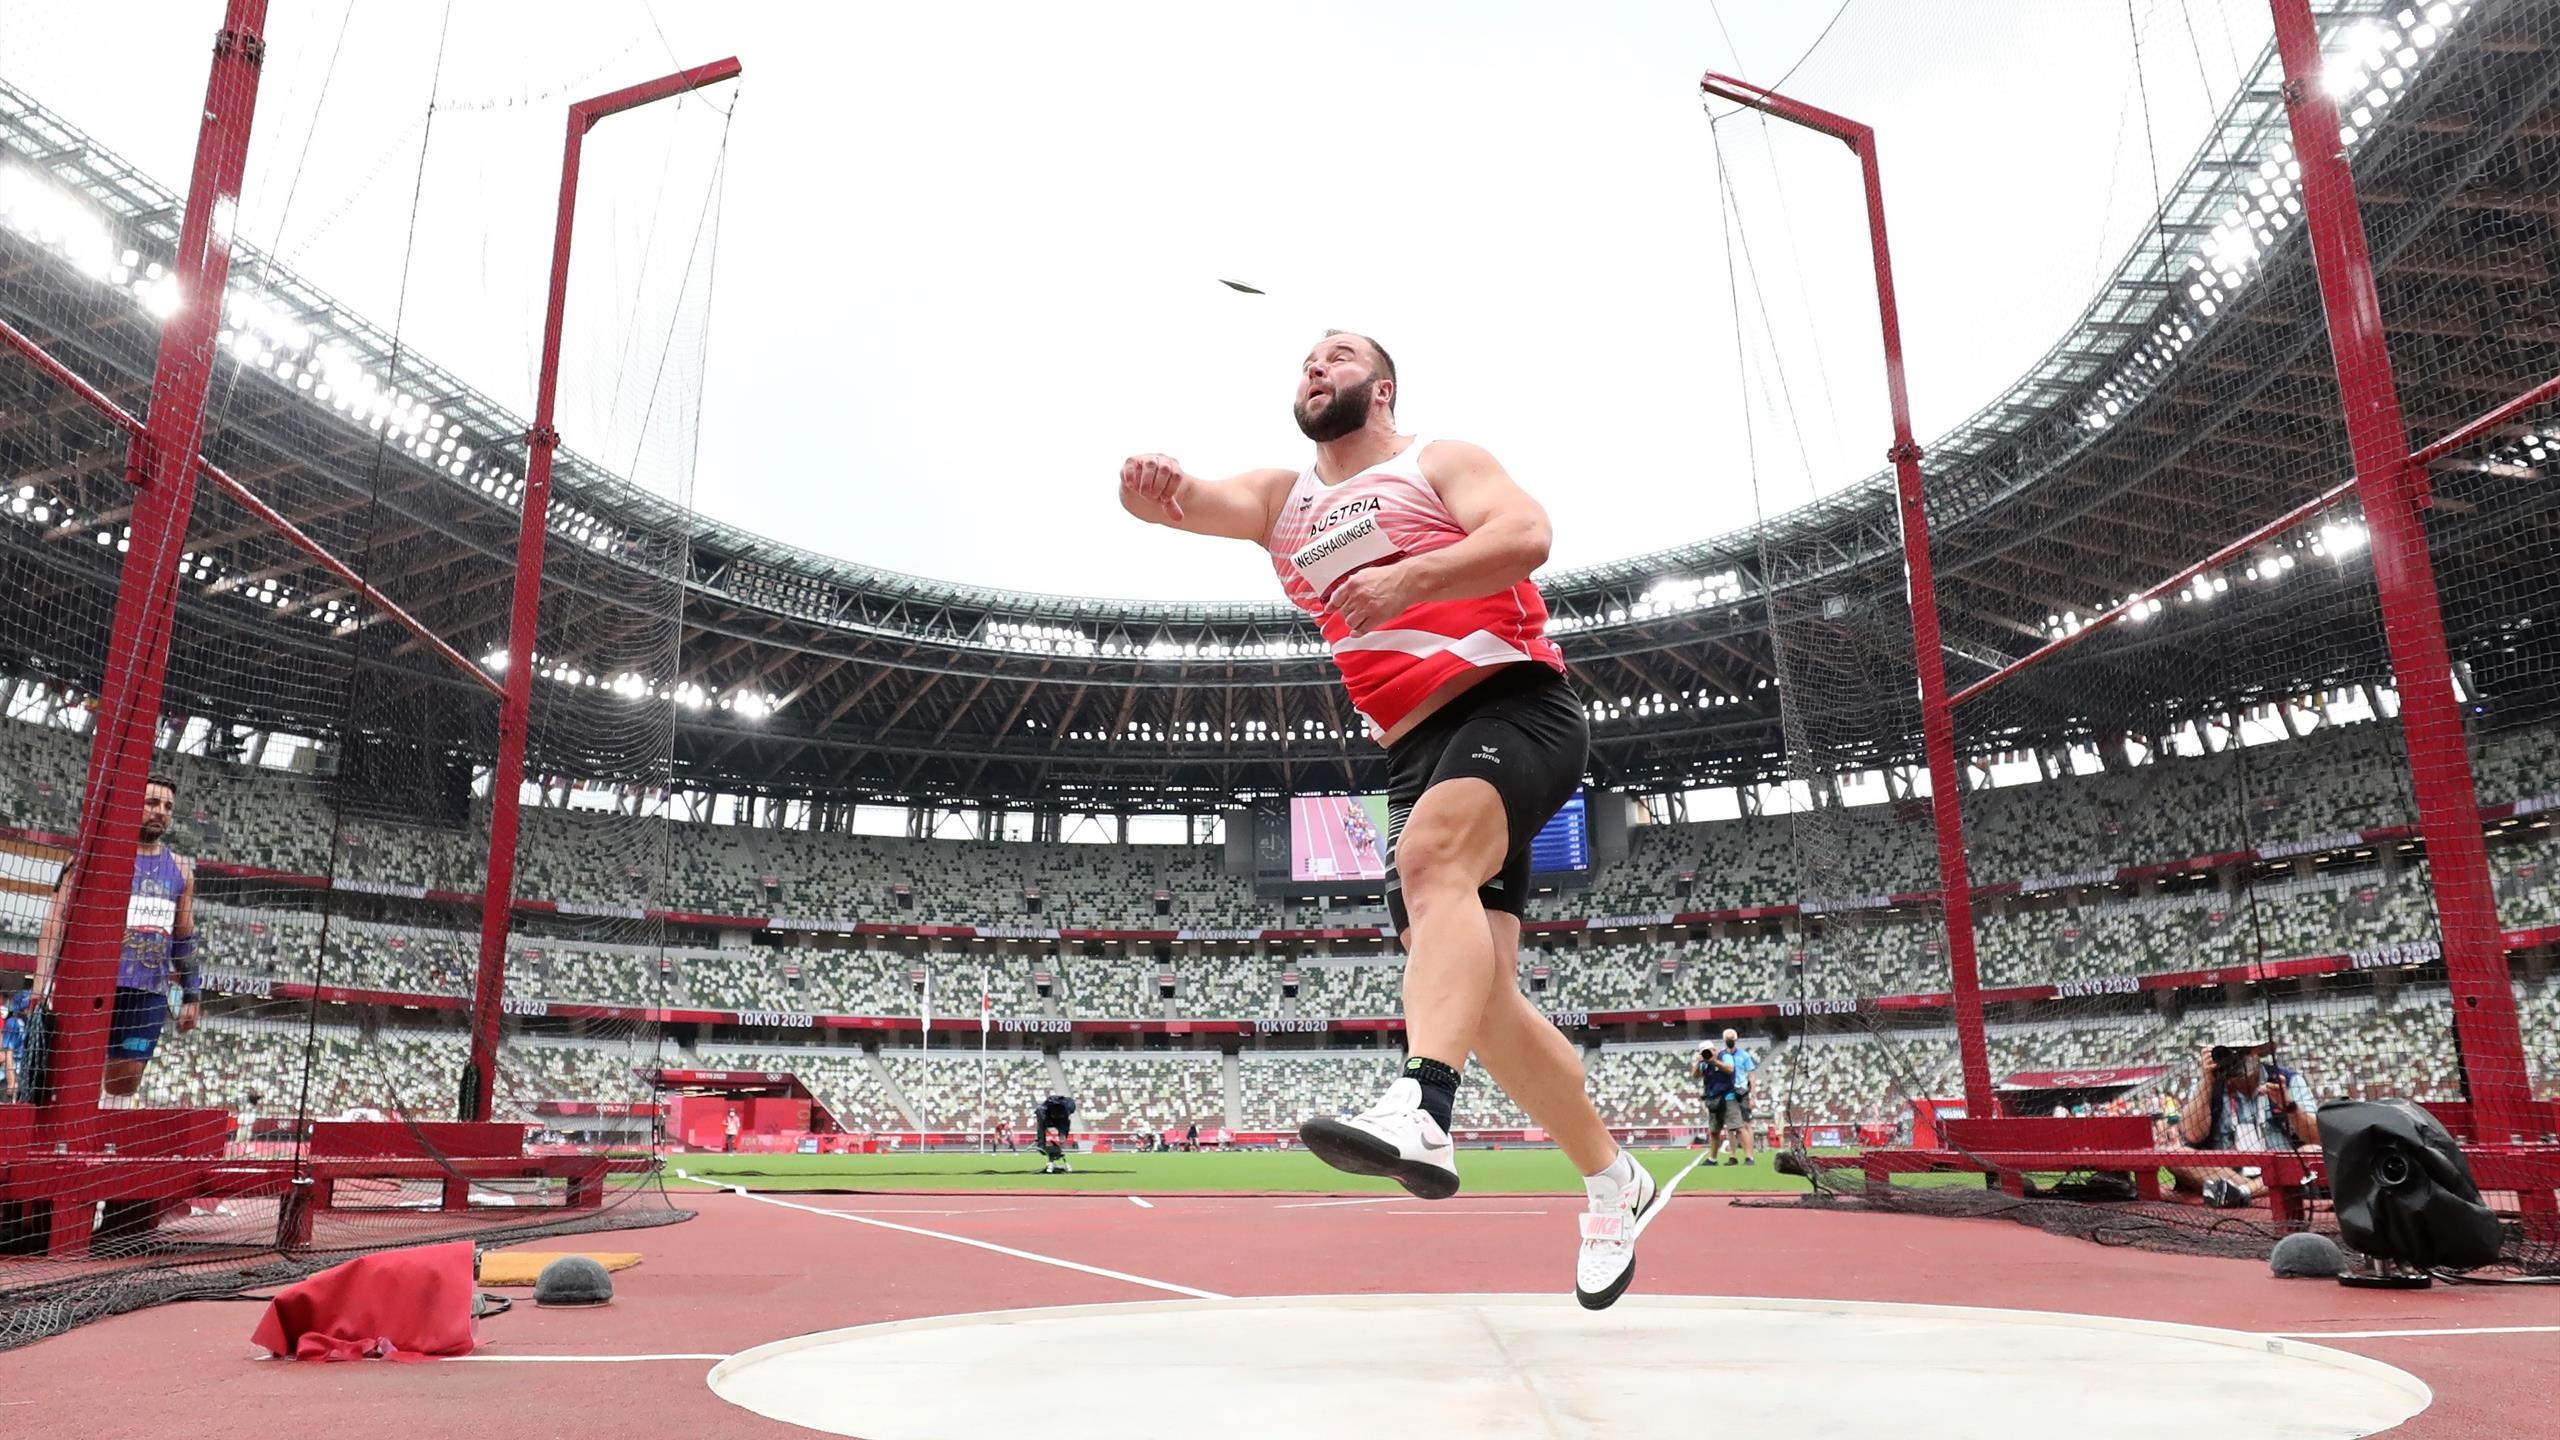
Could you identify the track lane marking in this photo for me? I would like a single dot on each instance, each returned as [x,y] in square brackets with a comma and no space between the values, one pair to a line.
[574,1359]
[2412,1334]
[1662,1201]
[988,1245]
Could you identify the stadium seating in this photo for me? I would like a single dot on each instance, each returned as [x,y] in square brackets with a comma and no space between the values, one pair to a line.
[747,981]
[2351,1046]
[1348,991]
[959,1090]
[2332,781]
[1146,1092]
[846,1081]
[1276,1091]
[1647,1084]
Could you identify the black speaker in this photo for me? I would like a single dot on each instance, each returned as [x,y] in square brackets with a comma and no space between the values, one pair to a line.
[2403,1193]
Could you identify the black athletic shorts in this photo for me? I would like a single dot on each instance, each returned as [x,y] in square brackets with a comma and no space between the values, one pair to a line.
[1524,731]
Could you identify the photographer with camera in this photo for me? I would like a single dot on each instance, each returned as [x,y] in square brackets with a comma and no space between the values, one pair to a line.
[2243,1102]
[1055,1122]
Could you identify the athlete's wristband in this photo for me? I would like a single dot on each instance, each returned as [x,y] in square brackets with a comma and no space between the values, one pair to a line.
[182,958]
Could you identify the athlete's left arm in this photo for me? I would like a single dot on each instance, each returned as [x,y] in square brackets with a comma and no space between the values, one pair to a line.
[182,953]
[1507,539]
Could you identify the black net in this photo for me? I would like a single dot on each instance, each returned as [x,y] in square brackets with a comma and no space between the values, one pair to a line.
[303,1090]
[2194,792]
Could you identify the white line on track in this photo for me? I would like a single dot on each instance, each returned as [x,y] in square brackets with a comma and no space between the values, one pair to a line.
[901,1210]
[574,1359]
[1662,1201]
[1142,1202]
[1461,1214]
[2413,1334]
[989,1245]
[1321,1204]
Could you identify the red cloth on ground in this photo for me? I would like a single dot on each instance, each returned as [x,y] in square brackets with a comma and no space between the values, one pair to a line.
[400,1305]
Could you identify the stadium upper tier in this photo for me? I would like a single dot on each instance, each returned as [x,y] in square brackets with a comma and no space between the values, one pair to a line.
[2151,432]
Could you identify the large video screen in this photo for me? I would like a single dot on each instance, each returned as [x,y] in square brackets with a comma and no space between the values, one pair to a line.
[1344,837]
[1338,837]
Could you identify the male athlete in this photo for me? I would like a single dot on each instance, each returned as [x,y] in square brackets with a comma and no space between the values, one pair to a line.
[159,943]
[1414,556]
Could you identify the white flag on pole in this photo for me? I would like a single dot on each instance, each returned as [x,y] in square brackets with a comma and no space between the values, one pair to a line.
[986,1004]
[928,1005]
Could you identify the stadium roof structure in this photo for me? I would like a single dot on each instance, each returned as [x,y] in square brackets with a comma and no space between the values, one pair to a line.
[2201,361]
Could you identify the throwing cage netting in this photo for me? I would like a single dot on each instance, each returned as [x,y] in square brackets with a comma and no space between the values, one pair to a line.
[2213,730]
[268,551]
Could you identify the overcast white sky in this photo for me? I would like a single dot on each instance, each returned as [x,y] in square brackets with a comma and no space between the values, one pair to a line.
[968,253]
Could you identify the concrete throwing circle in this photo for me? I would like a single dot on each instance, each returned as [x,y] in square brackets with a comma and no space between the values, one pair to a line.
[1496,1367]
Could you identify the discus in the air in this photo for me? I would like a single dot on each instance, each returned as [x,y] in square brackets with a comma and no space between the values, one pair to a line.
[1241,287]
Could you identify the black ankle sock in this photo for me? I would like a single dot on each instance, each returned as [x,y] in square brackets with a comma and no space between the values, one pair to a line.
[1439,1087]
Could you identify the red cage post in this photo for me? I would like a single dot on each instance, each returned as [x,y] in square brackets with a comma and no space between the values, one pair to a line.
[161,464]
[2391,485]
[1938,735]
[498,893]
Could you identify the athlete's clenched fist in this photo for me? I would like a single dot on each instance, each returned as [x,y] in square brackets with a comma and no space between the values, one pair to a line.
[1152,483]
[1372,597]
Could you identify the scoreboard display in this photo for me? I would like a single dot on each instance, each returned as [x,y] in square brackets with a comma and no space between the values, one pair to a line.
[1564,842]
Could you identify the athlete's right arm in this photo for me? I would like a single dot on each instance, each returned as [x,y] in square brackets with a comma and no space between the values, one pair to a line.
[1156,489]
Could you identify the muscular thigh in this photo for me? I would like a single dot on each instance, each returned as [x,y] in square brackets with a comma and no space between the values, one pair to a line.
[1458,827]
[1466,793]
[1449,833]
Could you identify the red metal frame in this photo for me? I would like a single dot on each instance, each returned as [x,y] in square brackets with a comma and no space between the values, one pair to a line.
[507,781]
[2392,484]
[1955,880]
[67,1154]
[249,500]
[161,465]
[2461,436]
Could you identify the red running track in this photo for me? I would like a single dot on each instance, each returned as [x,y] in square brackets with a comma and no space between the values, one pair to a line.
[747,1272]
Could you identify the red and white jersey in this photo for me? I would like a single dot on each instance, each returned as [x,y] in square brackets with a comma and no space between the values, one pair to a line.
[1327,533]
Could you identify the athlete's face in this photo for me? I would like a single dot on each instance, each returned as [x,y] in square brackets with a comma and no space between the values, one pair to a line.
[159,807]
[1336,388]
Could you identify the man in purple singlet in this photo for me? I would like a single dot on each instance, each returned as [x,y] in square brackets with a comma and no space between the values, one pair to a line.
[159,945]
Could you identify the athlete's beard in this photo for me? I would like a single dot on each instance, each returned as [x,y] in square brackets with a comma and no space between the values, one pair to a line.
[1347,411]
[152,830]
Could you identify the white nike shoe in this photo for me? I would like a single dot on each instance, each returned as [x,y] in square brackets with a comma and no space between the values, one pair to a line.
[1609,1226]
[1393,1138]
